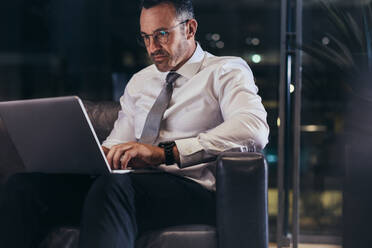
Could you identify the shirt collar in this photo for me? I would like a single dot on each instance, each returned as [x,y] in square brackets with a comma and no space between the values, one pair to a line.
[192,66]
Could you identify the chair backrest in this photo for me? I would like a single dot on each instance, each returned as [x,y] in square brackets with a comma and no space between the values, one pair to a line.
[103,116]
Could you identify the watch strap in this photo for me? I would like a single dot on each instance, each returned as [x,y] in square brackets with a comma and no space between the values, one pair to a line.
[168,151]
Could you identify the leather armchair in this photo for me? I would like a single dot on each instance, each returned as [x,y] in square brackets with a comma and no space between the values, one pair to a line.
[242,215]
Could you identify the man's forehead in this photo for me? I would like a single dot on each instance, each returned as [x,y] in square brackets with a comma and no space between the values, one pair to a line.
[157,17]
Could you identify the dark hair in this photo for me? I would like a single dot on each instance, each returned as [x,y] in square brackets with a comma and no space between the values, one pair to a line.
[184,8]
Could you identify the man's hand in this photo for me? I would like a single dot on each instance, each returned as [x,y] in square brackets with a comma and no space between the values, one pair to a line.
[135,155]
[105,150]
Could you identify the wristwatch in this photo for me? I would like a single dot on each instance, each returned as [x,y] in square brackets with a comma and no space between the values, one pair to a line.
[168,151]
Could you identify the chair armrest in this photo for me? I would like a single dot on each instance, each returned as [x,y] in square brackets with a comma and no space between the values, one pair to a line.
[241,191]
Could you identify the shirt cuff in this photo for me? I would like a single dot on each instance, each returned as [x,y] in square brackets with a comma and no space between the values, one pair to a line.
[191,152]
[109,143]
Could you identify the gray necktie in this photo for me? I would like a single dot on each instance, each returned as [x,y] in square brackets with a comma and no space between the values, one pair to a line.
[152,125]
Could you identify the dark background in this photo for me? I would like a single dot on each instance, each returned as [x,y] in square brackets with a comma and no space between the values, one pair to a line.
[88,48]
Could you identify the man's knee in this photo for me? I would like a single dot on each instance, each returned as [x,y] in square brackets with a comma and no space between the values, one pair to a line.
[113,185]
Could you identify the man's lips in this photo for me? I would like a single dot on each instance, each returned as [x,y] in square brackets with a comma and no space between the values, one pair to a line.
[159,57]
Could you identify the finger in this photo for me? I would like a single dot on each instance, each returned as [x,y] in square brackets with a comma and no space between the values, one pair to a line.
[113,152]
[116,158]
[110,155]
[127,158]
[105,150]
[124,160]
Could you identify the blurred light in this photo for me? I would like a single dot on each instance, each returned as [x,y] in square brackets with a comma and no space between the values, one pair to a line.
[255,41]
[216,37]
[256,58]
[278,122]
[248,41]
[314,159]
[269,104]
[271,158]
[325,40]
[220,44]
[291,88]
[128,60]
[313,128]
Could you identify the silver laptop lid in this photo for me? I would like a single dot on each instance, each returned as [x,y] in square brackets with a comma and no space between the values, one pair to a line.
[54,135]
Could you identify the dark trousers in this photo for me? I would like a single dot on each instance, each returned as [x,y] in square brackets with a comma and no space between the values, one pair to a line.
[111,210]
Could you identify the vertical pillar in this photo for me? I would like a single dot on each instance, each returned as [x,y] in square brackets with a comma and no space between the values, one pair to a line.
[289,149]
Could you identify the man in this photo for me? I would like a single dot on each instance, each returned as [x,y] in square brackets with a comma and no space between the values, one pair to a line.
[213,107]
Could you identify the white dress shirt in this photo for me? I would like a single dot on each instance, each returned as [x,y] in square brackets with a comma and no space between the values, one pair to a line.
[214,107]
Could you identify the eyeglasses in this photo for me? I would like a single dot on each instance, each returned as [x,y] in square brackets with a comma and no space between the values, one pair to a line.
[160,36]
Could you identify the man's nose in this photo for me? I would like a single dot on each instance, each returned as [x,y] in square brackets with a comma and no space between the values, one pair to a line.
[153,44]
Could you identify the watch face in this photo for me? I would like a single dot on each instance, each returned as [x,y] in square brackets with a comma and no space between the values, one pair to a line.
[168,143]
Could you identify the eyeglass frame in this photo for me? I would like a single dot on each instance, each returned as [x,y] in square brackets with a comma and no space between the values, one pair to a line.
[156,33]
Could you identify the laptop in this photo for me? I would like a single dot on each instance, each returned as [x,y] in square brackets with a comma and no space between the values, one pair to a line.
[55,135]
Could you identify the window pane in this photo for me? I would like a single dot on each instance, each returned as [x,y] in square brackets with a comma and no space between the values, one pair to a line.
[332,45]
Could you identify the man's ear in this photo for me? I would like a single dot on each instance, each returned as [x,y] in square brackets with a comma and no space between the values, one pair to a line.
[192,26]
